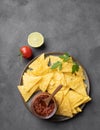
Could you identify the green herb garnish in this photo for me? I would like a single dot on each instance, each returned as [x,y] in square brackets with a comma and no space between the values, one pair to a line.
[75,67]
[65,57]
[57,64]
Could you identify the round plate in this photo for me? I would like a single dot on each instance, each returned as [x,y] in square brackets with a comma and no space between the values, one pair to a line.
[55,117]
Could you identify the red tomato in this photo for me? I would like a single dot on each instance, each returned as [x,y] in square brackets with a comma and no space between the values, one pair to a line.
[26,51]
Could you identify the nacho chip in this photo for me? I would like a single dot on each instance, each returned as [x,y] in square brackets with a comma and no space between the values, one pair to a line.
[81,89]
[80,73]
[26,95]
[77,99]
[45,81]
[65,90]
[67,67]
[74,111]
[59,78]
[78,109]
[76,83]
[39,66]
[51,88]
[65,108]
[30,81]
[74,98]
[54,59]
[37,62]
[59,97]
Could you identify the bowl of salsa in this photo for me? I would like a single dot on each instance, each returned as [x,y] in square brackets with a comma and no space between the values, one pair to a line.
[39,107]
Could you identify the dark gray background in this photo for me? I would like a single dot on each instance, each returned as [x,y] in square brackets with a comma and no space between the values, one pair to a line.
[67,25]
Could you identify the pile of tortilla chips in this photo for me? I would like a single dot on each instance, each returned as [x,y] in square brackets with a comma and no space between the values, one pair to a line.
[39,76]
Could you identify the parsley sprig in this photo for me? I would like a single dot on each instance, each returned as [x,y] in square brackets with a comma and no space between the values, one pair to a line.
[65,58]
[75,67]
[57,64]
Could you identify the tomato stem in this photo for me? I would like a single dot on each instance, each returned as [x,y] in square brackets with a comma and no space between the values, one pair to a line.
[20,55]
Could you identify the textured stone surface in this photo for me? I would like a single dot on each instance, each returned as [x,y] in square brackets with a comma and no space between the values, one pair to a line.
[67,25]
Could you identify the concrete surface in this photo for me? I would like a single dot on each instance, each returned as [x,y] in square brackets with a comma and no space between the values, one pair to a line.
[67,25]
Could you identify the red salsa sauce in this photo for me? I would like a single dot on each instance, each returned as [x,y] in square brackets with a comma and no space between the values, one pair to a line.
[41,108]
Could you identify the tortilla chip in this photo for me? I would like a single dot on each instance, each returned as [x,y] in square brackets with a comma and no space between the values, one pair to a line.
[65,90]
[80,73]
[54,59]
[45,81]
[74,98]
[81,89]
[67,67]
[37,62]
[51,88]
[78,109]
[74,111]
[30,81]
[65,108]
[59,97]
[26,95]
[77,99]
[39,66]
[59,78]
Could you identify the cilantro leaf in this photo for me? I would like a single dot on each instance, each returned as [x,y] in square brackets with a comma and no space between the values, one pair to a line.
[75,67]
[65,57]
[57,64]
[60,66]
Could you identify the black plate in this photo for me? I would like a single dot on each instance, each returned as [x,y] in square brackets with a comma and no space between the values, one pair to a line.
[55,117]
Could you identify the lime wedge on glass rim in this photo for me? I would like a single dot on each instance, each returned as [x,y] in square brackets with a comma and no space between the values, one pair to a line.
[35,39]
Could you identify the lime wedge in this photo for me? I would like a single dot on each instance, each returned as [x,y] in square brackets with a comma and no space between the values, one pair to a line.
[35,39]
